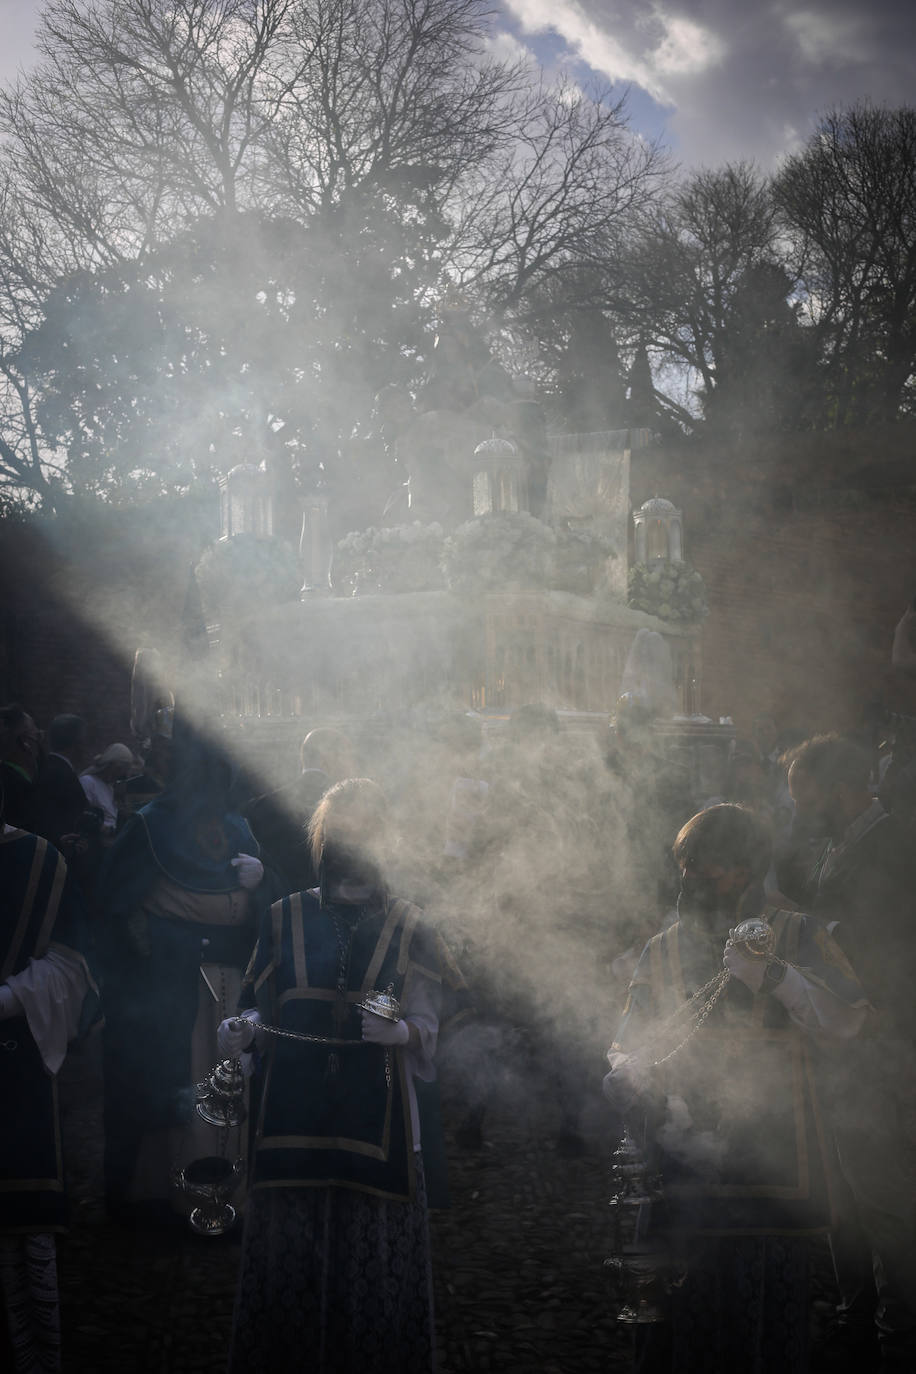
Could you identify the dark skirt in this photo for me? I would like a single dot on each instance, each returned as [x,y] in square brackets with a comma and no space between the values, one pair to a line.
[743,1307]
[334,1281]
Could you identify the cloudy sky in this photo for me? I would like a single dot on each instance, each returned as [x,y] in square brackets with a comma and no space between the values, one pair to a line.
[716,79]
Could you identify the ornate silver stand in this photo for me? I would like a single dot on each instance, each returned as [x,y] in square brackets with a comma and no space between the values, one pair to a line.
[211,1181]
[640,1269]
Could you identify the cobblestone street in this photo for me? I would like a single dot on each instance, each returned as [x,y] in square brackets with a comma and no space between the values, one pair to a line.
[520,1285]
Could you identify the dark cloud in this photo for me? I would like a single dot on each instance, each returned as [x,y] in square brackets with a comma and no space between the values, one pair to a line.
[737,80]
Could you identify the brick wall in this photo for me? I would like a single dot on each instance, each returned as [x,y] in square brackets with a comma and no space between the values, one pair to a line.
[809,556]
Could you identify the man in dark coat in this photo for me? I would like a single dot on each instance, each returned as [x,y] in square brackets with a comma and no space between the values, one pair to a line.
[60,802]
[44,981]
[863,885]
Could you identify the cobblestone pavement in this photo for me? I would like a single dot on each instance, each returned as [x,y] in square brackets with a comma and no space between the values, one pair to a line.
[518,1257]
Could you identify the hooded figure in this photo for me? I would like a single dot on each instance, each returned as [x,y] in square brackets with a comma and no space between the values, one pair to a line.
[180,897]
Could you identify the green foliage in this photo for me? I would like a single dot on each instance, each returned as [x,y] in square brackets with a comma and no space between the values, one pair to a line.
[247,572]
[671,591]
[402,558]
[240,339]
[498,552]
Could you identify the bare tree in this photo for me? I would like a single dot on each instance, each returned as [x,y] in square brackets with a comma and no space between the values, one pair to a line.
[368,152]
[564,193]
[848,207]
[700,286]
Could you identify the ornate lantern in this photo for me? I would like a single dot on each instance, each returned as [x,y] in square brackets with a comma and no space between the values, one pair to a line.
[640,1266]
[500,483]
[245,505]
[659,532]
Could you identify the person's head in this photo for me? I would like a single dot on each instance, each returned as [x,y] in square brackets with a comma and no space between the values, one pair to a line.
[20,738]
[720,852]
[349,834]
[67,736]
[327,750]
[828,781]
[114,764]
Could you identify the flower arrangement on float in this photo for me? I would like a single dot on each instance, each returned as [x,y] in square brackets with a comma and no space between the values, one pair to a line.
[499,552]
[401,558]
[671,591]
[247,570]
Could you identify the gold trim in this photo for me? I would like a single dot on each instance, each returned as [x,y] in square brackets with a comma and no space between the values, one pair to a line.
[276,928]
[411,915]
[410,1196]
[793,938]
[381,947]
[321,1142]
[25,912]
[264,975]
[336,1142]
[57,887]
[58,1142]
[457,1019]
[413,966]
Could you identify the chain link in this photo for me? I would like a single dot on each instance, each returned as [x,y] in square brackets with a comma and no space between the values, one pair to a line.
[302,1035]
[323,1040]
[711,992]
[714,988]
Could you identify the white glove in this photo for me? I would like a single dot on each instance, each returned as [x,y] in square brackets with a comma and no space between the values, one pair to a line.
[745,967]
[236,1034]
[378,1030]
[250,870]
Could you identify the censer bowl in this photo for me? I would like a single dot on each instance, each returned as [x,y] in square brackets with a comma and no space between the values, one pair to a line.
[211,1181]
[755,936]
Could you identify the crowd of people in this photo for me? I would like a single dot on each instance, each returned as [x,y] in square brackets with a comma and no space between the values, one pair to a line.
[495,910]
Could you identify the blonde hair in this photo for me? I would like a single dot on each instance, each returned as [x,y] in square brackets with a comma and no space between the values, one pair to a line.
[353,813]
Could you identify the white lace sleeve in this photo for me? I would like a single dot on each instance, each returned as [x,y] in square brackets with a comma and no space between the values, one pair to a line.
[50,992]
[816,1009]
